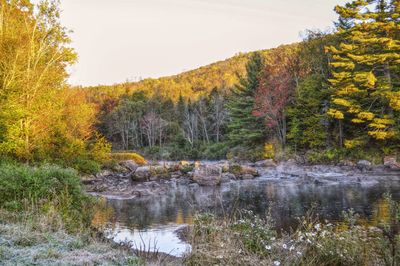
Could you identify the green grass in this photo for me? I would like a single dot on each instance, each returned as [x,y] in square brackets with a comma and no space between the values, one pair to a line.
[49,190]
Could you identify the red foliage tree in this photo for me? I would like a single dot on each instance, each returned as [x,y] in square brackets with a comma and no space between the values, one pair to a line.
[278,83]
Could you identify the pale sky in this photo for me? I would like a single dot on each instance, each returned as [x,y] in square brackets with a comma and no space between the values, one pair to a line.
[120,40]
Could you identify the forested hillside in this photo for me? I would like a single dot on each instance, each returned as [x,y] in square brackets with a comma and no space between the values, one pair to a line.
[330,97]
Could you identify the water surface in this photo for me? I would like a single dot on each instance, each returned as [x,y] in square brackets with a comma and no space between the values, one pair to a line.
[152,222]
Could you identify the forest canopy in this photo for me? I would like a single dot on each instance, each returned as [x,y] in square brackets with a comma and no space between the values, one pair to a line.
[335,95]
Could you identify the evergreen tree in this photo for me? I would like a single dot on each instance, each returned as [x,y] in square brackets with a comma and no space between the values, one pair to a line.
[366,70]
[245,129]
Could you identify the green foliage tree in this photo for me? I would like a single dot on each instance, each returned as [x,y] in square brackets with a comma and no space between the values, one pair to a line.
[245,129]
[366,78]
[41,118]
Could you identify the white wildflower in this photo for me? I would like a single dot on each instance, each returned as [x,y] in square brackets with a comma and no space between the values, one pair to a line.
[268,247]
[299,253]
[284,246]
[277,263]
[317,227]
[291,248]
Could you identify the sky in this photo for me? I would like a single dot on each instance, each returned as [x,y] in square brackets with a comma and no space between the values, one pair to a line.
[128,40]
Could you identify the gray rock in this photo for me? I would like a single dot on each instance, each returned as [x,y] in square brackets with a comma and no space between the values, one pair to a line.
[266,163]
[364,165]
[130,165]
[226,177]
[391,162]
[208,175]
[247,177]
[142,174]
[248,170]
[104,174]
[224,166]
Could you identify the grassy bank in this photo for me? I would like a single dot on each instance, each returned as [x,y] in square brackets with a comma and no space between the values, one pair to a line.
[35,243]
[249,240]
[46,219]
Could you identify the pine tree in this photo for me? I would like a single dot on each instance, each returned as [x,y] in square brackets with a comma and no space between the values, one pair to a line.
[245,129]
[366,69]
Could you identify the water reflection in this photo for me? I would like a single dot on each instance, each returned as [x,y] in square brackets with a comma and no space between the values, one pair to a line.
[158,217]
[162,239]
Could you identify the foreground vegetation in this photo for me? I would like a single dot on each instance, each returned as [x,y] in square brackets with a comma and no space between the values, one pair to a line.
[46,218]
[249,240]
[30,240]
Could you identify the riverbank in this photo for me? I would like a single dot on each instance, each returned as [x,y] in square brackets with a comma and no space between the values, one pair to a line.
[46,219]
[28,244]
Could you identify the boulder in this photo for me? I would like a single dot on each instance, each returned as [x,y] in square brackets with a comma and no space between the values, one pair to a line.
[142,173]
[208,175]
[391,162]
[129,165]
[248,170]
[224,166]
[104,174]
[176,175]
[364,165]
[247,177]
[226,177]
[266,163]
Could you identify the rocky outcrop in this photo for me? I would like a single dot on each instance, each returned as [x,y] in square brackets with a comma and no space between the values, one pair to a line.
[208,175]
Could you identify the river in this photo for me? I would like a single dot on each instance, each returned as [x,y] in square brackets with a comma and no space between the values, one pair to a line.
[152,222]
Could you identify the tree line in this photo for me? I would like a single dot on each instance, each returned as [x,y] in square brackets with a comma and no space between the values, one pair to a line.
[333,96]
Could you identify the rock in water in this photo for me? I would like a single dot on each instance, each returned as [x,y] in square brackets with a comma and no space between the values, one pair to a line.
[266,163]
[129,165]
[247,170]
[391,162]
[247,177]
[142,174]
[208,175]
[364,165]
[226,177]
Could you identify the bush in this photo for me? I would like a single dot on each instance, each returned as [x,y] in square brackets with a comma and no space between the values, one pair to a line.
[215,151]
[86,166]
[47,189]
[326,156]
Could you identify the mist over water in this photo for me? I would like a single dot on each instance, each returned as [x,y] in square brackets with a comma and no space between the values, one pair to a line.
[155,220]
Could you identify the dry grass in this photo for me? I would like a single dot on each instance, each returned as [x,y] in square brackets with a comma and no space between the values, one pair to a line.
[32,244]
[124,156]
[249,240]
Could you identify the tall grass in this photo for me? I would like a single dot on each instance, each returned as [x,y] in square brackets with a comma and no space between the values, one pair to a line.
[47,190]
[249,240]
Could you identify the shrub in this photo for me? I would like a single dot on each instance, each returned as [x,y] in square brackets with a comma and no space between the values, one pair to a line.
[46,189]
[86,166]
